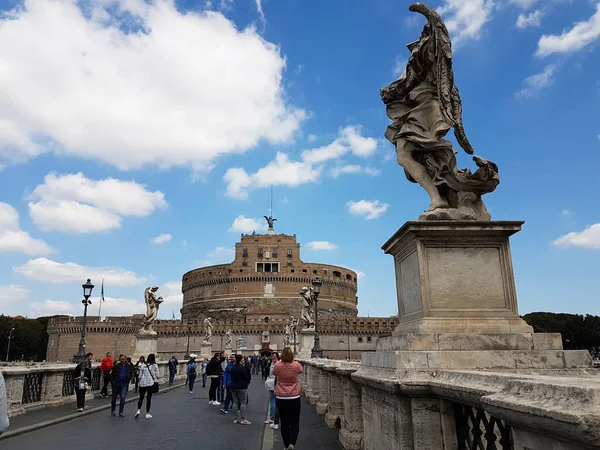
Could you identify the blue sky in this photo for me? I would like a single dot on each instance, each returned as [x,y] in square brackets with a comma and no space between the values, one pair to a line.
[138,140]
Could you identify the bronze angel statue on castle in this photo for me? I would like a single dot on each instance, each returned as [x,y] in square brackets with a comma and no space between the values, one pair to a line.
[424,104]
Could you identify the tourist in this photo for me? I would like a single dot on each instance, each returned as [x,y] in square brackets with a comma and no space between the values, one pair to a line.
[267,369]
[82,377]
[106,366]
[227,382]
[120,376]
[213,371]
[4,422]
[192,371]
[273,419]
[148,378]
[89,357]
[221,392]
[287,393]
[240,379]
[203,371]
[136,372]
[173,363]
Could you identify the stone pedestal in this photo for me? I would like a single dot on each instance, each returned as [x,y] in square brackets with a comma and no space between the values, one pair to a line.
[144,345]
[457,303]
[307,342]
[228,349]
[206,350]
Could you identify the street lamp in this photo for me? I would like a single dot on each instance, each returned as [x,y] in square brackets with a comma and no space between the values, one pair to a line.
[187,352]
[317,352]
[87,293]
[12,329]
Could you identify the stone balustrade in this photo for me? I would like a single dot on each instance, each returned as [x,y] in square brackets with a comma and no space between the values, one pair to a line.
[530,409]
[43,385]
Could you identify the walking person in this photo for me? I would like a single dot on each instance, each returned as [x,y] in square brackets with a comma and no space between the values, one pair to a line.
[106,366]
[213,371]
[287,394]
[203,371]
[148,379]
[120,377]
[240,379]
[273,419]
[227,381]
[192,371]
[82,378]
[173,363]
[136,372]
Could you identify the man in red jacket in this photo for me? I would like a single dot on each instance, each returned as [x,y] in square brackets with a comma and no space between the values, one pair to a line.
[106,366]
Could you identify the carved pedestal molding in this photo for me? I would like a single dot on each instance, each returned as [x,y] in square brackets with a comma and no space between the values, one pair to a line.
[315,383]
[323,403]
[335,408]
[351,432]
[144,345]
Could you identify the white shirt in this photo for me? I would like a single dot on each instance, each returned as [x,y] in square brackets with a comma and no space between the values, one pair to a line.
[146,374]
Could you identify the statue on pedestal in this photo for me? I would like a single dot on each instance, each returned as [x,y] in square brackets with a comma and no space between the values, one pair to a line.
[306,314]
[152,304]
[293,329]
[229,339]
[286,336]
[424,104]
[207,330]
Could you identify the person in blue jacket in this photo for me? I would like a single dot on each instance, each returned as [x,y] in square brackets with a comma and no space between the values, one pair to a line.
[227,383]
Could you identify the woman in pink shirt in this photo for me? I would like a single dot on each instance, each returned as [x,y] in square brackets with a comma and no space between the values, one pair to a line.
[287,396]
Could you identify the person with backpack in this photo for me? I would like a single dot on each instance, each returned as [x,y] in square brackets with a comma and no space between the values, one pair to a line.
[106,366]
[148,384]
[192,372]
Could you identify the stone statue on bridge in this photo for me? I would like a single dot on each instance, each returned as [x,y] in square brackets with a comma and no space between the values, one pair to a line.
[207,330]
[152,304]
[229,339]
[424,104]
[287,335]
[293,329]
[306,314]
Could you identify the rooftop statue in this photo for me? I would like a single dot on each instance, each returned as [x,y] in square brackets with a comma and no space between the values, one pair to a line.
[270,221]
[424,104]
[152,304]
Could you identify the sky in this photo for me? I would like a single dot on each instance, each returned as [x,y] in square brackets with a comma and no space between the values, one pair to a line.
[138,140]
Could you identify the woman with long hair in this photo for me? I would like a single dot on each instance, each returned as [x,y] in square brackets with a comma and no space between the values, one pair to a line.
[148,376]
[82,379]
[287,396]
[214,372]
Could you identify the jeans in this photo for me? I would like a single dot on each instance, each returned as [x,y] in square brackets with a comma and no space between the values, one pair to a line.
[192,381]
[144,391]
[289,413]
[272,407]
[203,380]
[80,395]
[228,400]
[212,392]
[118,389]
[171,377]
[221,390]
[239,403]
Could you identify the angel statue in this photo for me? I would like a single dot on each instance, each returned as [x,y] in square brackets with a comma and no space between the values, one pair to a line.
[152,304]
[424,104]
[229,338]
[286,336]
[207,330]
[293,329]
[270,221]
[307,307]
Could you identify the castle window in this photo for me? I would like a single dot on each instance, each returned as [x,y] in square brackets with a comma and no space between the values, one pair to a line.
[289,261]
[337,274]
[267,267]
[274,253]
[245,262]
[289,252]
[241,270]
[368,338]
[348,277]
[260,252]
[245,252]
[325,272]
[360,339]
[292,270]
[266,319]
[304,271]
[314,272]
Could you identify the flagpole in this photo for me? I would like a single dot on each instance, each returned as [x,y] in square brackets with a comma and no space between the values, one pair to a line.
[100,302]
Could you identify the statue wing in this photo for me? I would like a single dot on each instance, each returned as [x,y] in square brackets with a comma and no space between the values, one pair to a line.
[450,104]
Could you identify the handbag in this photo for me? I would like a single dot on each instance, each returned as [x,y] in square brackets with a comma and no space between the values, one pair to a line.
[154,389]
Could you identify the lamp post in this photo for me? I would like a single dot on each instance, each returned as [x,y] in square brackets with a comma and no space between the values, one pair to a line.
[187,351]
[12,329]
[87,293]
[317,352]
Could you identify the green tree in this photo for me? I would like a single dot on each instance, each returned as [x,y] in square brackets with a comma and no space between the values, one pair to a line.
[29,339]
[578,331]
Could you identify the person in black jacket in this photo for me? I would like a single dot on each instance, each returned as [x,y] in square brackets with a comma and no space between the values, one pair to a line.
[240,379]
[82,379]
[120,377]
[214,371]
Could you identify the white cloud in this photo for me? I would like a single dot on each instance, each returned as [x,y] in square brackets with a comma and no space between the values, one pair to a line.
[242,224]
[465,18]
[525,4]
[221,254]
[139,97]
[588,238]
[312,138]
[399,65]
[566,212]
[171,293]
[11,297]
[117,306]
[579,36]
[353,169]
[52,308]
[538,81]
[43,269]
[531,20]
[369,209]
[325,153]
[15,240]
[321,245]
[73,203]
[162,238]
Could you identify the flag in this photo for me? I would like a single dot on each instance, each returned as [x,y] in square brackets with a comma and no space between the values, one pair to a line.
[102,290]
[173,314]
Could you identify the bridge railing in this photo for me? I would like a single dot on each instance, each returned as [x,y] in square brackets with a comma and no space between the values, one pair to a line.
[530,410]
[41,385]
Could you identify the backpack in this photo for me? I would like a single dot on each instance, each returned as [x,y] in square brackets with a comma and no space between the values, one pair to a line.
[192,370]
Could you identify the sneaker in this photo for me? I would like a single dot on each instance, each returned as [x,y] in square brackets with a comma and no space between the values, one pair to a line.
[274,426]
[245,422]
[268,421]
[148,416]
[80,409]
[121,415]
[224,411]
[235,421]
[137,414]
[112,413]
[191,392]
[217,403]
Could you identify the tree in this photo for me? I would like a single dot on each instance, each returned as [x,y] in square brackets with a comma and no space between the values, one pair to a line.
[29,340]
[578,331]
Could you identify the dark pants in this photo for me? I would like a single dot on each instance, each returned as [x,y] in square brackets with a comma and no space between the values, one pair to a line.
[171,377]
[289,413]
[228,400]
[118,389]
[143,392]
[203,380]
[192,381]
[106,379]
[212,392]
[221,390]
[80,394]
[137,383]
